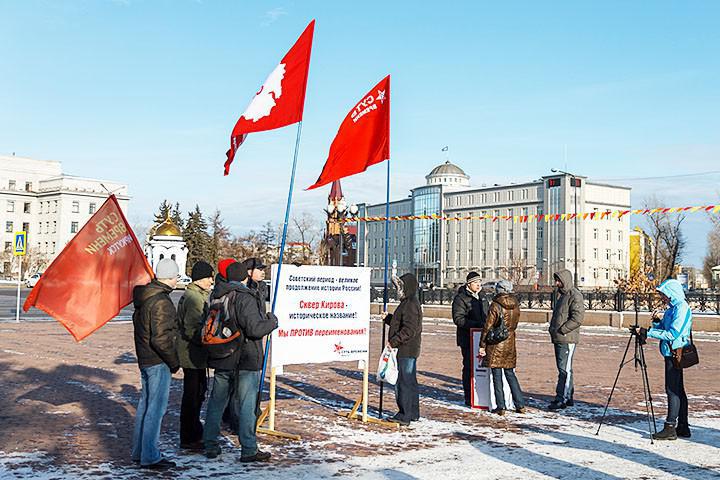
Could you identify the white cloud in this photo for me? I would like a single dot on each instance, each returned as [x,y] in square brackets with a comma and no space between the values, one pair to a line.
[272,16]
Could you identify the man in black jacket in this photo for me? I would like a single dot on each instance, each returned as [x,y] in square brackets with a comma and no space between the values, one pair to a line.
[469,310]
[239,371]
[155,337]
[405,334]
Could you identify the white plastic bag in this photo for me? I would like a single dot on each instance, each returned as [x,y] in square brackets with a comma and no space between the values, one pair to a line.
[388,367]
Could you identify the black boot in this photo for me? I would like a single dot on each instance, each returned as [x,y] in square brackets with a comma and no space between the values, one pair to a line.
[667,433]
[683,430]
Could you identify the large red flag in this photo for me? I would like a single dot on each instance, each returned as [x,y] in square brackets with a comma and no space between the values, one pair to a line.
[93,277]
[280,100]
[363,138]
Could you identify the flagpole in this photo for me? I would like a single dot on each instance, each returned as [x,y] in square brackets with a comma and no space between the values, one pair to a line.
[385,291]
[280,260]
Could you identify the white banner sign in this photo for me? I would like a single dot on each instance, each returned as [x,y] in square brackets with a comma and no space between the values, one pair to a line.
[482,381]
[323,313]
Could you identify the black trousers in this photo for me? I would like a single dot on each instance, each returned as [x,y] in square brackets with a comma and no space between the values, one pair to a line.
[194,389]
[467,370]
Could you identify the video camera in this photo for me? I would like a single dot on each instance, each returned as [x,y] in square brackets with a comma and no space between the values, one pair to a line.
[639,332]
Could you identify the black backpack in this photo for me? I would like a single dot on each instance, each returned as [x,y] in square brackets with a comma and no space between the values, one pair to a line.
[220,333]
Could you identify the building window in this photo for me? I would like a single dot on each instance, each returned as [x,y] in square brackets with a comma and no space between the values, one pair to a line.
[54,227]
[75,206]
[595,253]
[11,184]
[595,233]
[53,248]
[496,197]
[8,246]
[10,206]
[26,227]
[496,255]
[9,227]
[28,186]
[55,205]
[511,195]
[26,207]
[620,256]
[607,254]
[607,274]
[620,236]
[524,253]
[595,273]
[91,209]
[607,235]
[74,227]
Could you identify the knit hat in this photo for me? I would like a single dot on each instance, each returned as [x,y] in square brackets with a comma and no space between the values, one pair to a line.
[166,268]
[223,265]
[504,286]
[472,277]
[254,263]
[237,272]
[201,270]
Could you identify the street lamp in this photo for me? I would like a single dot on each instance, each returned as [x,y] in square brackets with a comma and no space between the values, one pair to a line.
[577,239]
[338,211]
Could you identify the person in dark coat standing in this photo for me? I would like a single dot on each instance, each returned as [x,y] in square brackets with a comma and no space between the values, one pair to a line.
[502,357]
[469,310]
[155,331]
[192,310]
[405,335]
[567,317]
[239,372]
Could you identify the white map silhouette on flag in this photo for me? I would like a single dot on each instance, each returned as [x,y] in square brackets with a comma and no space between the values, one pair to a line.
[265,99]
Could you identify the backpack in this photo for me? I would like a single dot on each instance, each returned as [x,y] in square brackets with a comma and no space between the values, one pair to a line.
[220,334]
[498,333]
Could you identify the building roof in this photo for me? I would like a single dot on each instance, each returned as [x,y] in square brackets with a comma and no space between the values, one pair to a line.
[447,168]
[336,192]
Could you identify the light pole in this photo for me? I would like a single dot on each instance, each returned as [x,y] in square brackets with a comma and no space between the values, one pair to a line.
[337,211]
[577,239]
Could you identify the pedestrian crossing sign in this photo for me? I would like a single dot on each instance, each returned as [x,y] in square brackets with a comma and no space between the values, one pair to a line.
[20,243]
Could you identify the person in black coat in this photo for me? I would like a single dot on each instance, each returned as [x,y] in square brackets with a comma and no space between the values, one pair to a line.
[469,310]
[405,335]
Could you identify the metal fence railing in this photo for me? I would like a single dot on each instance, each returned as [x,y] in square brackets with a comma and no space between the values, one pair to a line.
[616,301]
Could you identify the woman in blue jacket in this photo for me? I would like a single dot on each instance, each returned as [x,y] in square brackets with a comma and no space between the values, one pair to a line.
[673,331]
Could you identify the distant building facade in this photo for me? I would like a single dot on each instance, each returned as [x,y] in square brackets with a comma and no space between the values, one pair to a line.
[51,206]
[442,252]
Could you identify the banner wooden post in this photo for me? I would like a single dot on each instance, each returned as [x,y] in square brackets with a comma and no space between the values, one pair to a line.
[271,421]
[365,393]
[269,413]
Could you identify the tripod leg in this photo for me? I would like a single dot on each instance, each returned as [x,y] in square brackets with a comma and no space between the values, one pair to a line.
[622,364]
[648,393]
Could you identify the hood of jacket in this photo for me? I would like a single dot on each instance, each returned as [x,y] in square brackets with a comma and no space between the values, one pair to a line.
[506,300]
[565,276]
[410,285]
[673,290]
[141,293]
[222,287]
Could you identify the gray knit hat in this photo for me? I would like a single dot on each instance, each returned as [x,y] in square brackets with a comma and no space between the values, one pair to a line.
[504,286]
[166,268]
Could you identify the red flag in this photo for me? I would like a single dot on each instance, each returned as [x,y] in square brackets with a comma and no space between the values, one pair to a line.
[280,100]
[363,138]
[93,277]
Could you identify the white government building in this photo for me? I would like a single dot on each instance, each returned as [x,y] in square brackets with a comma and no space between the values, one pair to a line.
[38,198]
[443,252]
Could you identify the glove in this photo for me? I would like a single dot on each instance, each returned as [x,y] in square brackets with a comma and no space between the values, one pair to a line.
[174,369]
[273,318]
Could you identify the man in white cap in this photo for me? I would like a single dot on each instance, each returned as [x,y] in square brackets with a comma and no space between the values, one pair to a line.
[155,347]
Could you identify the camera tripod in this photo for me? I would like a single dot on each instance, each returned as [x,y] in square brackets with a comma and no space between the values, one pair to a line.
[639,361]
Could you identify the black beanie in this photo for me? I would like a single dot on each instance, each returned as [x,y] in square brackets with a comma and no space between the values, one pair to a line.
[201,270]
[472,276]
[237,272]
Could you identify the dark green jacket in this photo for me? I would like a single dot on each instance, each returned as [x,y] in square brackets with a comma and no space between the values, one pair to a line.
[192,310]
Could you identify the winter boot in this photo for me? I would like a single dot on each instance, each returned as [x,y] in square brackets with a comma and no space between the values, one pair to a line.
[555,405]
[499,411]
[683,430]
[667,433]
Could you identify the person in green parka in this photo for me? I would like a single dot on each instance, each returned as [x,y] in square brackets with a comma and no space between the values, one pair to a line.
[192,310]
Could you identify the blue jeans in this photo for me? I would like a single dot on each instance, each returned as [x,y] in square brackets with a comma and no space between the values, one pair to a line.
[245,384]
[150,411]
[677,398]
[407,394]
[517,394]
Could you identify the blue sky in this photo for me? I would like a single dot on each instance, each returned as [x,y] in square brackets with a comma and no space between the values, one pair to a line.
[146,92]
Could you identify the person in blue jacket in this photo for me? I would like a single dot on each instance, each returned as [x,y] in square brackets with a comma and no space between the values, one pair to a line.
[673,330]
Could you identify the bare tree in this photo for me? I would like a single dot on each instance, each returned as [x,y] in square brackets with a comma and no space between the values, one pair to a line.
[517,270]
[668,241]
[304,235]
[712,258]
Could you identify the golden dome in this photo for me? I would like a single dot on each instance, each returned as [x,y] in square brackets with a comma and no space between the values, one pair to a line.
[167,229]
